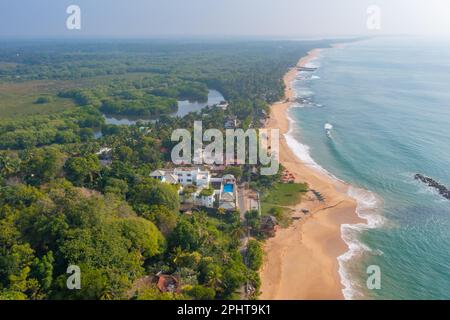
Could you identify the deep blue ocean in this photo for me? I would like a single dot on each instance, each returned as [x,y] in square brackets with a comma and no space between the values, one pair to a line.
[388,100]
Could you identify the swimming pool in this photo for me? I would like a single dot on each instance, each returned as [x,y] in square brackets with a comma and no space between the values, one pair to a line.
[228,188]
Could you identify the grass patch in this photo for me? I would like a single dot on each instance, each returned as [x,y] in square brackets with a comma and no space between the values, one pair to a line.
[285,194]
[282,214]
[282,195]
[19,98]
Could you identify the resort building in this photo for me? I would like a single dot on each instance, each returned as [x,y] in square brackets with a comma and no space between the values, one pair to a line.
[164,176]
[183,176]
[199,188]
[228,193]
[195,176]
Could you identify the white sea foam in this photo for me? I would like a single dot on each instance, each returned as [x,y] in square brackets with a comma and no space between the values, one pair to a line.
[297,105]
[299,149]
[303,92]
[313,63]
[367,202]
[307,104]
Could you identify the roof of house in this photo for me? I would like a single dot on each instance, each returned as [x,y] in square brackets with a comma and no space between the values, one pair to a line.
[228,177]
[203,175]
[104,150]
[171,178]
[217,168]
[185,207]
[187,169]
[227,205]
[227,197]
[167,283]
[157,173]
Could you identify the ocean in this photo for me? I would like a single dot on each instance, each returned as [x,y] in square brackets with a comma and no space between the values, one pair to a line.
[388,100]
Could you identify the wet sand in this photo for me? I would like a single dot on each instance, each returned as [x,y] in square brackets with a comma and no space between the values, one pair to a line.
[301,261]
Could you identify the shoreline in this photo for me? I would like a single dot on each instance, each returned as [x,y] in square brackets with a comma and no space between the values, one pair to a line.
[306,253]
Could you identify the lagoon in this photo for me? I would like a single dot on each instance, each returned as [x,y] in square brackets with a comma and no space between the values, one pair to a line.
[184,108]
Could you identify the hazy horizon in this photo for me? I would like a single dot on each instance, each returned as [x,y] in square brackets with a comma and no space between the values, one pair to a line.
[222,18]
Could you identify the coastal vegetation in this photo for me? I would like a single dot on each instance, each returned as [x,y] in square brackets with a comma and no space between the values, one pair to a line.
[64,201]
[283,195]
[280,200]
[151,95]
[255,255]
[43,100]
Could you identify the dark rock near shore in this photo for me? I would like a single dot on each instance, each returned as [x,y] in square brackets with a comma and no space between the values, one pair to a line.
[443,191]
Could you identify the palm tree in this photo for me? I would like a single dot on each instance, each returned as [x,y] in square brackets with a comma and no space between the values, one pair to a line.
[238,231]
[177,253]
[9,166]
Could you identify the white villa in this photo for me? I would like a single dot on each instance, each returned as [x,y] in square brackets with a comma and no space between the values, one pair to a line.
[199,188]
[164,176]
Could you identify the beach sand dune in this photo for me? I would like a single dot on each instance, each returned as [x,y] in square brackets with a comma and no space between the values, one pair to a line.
[301,261]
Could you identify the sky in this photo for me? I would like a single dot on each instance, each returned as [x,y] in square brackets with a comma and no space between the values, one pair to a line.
[215,18]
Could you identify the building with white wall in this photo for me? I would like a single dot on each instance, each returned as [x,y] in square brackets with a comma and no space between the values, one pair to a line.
[208,190]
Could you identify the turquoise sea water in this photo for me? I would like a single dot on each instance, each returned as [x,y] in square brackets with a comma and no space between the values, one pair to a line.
[389,102]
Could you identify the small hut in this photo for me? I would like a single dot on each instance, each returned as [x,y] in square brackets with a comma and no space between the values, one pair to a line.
[167,283]
[269,225]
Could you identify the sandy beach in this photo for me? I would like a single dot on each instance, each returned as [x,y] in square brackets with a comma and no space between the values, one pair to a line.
[301,261]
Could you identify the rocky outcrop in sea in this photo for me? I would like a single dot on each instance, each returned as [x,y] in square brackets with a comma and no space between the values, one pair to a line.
[443,191]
